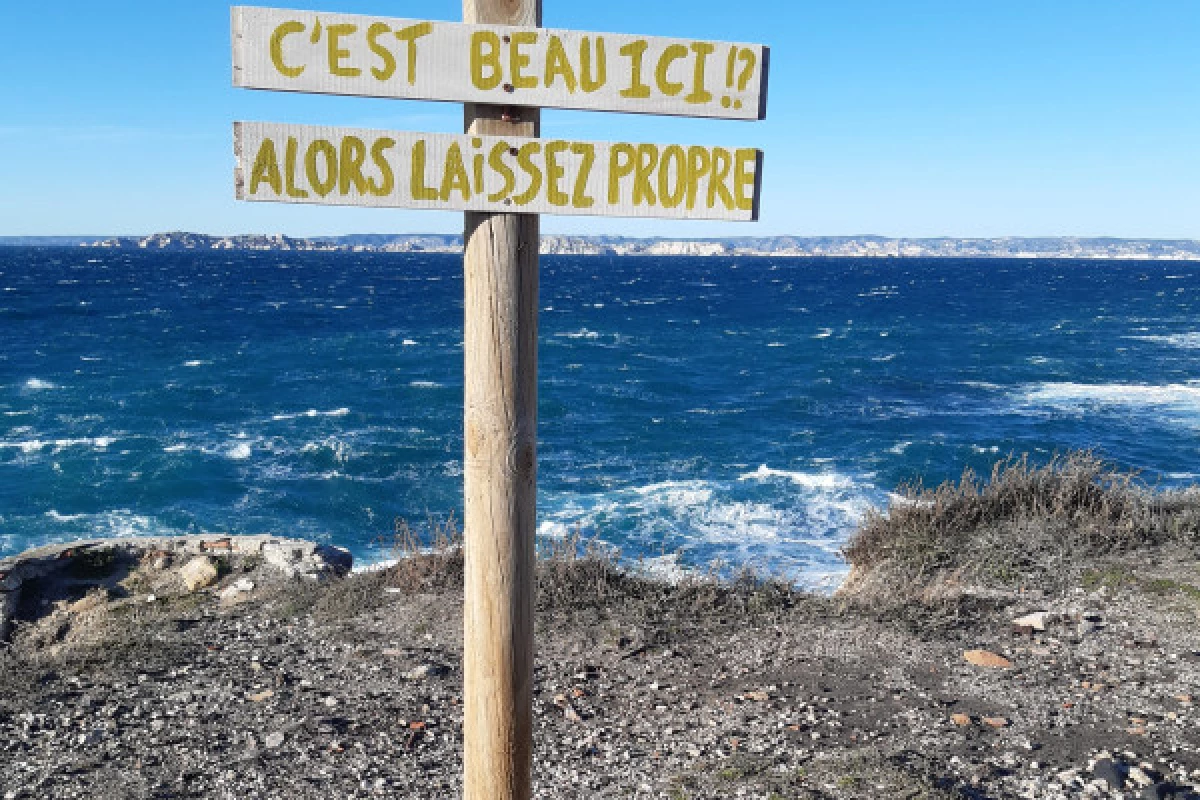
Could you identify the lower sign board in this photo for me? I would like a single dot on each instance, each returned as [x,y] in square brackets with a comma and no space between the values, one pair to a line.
[460,172]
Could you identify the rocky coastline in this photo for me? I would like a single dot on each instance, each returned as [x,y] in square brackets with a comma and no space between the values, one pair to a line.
[609,245]
[230,667]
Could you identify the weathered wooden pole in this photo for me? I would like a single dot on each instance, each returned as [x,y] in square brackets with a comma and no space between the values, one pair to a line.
[500,464]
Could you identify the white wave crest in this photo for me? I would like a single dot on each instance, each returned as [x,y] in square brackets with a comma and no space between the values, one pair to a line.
[1184,341]
[31,446]
[425,384]
[39,385]
[311,413]
[793,523]
[582,333]
[338,450]
[810,480]
[1177,402]
[240,451]
[57,517]
[115,523]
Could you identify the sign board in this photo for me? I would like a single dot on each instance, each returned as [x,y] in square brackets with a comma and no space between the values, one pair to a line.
[393,169]
[305,51]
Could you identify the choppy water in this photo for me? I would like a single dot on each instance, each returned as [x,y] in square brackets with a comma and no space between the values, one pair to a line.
[741,409]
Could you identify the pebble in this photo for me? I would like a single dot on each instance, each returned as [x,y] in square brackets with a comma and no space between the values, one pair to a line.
[987,659]
[1139,776]
[1036,621]
[427,670]
[717,718]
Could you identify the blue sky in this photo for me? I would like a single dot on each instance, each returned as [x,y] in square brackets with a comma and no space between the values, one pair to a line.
[916,118]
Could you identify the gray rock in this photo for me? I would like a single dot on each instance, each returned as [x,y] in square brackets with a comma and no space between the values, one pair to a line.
[273,740]
[199,573]
[1036,620]
[1139,776]
[1111,772]
[427,670]
[8,609]
[234,591]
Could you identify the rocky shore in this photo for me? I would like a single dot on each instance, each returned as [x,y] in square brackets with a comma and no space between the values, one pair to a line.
[192,669]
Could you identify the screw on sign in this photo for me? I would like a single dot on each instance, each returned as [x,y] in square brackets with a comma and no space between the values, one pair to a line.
[503,66]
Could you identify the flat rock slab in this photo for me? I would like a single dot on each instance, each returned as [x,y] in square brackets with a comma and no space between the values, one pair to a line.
[293,558]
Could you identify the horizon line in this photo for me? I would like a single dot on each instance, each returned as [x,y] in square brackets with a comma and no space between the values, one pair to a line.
[180,231]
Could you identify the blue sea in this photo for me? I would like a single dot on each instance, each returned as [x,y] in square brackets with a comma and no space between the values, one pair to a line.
[743,410]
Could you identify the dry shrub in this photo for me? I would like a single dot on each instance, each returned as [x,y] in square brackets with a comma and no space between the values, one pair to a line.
[431,561]
[1026,526]
[575,572]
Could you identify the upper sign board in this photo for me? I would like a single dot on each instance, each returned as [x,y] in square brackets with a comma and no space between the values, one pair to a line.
[305,51]
[461,172]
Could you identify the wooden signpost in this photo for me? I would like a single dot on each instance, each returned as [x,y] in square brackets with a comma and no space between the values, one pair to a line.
[503,66]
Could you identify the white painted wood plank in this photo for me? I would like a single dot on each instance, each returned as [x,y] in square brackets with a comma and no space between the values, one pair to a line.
[461,172]
[307,51]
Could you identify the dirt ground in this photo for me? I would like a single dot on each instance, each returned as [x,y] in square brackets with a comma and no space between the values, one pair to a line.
[352,688]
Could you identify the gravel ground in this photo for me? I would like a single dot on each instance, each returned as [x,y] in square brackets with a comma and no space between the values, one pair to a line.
[643,690]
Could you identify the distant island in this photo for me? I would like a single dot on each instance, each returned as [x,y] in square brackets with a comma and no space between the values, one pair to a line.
[828,246]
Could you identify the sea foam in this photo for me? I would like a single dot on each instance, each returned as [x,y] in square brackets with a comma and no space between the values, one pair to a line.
[786,522]
[311,413]
[1184,341]
[1181,398]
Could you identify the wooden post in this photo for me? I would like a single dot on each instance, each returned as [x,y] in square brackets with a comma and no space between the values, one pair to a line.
[500,464]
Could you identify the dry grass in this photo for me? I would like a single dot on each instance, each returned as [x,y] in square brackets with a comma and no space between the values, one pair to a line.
[428,560]
[1026,526]
[573,573]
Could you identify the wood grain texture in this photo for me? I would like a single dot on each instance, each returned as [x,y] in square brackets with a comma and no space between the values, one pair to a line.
[503,12]
[500,467]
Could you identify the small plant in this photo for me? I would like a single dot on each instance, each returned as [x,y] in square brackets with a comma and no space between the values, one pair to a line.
[1111,578]
[741,767]
[424,562]
[94,564]
[1165,586]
